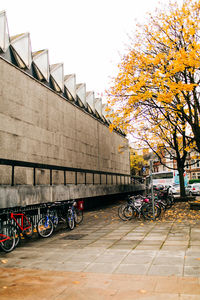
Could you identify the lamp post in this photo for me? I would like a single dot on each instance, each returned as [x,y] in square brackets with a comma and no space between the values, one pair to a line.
[151,181]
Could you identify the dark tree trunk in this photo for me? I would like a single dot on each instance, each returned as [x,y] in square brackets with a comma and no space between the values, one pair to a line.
[182,181]
[196,132]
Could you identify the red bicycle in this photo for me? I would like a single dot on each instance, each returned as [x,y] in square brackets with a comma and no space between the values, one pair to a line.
[19,224]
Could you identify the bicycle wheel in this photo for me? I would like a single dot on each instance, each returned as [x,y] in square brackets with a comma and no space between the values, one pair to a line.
[70,220]
[7,238]
[121,212]
[147,211]
[78,216]
[17,236]
[45,227]
[28,224]
[129,212]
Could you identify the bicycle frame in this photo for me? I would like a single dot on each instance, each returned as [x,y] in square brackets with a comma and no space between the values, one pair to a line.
[4,236]
[22,217]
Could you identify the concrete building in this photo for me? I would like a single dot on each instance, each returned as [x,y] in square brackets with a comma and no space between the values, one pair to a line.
[49,119]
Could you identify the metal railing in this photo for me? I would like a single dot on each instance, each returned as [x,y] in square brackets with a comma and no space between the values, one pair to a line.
[119,178]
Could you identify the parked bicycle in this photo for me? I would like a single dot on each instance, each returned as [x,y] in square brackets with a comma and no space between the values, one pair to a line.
[74,214]
[7,237]
[14,226]
[59,213]
[138,206]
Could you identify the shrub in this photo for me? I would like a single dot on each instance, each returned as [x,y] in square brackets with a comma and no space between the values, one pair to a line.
[194,181]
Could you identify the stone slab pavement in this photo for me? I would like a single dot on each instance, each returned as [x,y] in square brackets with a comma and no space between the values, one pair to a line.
[106,258]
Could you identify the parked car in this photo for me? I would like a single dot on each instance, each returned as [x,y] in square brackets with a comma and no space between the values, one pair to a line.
[174,190]
[193,189]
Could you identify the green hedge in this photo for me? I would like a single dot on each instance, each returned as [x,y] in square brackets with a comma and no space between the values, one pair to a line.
[194,181]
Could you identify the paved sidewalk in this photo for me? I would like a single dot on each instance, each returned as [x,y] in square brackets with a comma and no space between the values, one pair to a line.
[19,284]
[106,258]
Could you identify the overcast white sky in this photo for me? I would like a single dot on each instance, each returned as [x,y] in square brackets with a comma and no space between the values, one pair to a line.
[88,36]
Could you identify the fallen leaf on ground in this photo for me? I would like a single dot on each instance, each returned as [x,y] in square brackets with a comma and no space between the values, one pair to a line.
[143,291]
[4,261]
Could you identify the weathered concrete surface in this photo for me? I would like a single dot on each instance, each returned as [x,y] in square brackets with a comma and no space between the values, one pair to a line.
[39,125]
[23,195]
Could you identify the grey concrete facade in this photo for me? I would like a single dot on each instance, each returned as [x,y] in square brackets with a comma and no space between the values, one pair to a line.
[38,125]
[23,195]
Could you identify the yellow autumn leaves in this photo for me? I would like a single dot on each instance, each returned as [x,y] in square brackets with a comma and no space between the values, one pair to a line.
[158,79]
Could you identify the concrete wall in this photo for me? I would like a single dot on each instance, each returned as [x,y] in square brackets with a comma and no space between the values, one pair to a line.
[29,195]
[38,125]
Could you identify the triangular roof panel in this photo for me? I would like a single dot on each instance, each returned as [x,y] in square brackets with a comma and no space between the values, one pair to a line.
[81,92]
[70,84]
[4,33]
[90,99]
[98,105]
[21,45]
[57,76]
[41,62]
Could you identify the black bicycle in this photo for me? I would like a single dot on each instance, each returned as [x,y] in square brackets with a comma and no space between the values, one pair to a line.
[138,206]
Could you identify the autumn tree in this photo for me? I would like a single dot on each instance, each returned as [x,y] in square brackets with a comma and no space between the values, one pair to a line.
[167,139]
[157,85]
[137,162]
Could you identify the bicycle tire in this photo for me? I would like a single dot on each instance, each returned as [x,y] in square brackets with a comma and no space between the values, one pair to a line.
[121,212]
[78,216]
[128,212]
[147,212]
[70,221]
[29,231]
[17,236]
[9,244]
[45,227]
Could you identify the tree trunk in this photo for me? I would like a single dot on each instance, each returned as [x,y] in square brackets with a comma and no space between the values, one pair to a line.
[182,182]
[196,132]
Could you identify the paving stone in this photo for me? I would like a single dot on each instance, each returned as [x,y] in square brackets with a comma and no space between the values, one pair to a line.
[192,261]
[151,242]
[136,259]
[106,258]
[175,261]
[169,253]
[151,253]
[163,270]
[101,267]
[147,247]
[190,252]
[132,269]
[193,271]
[176,243]
[174,247]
